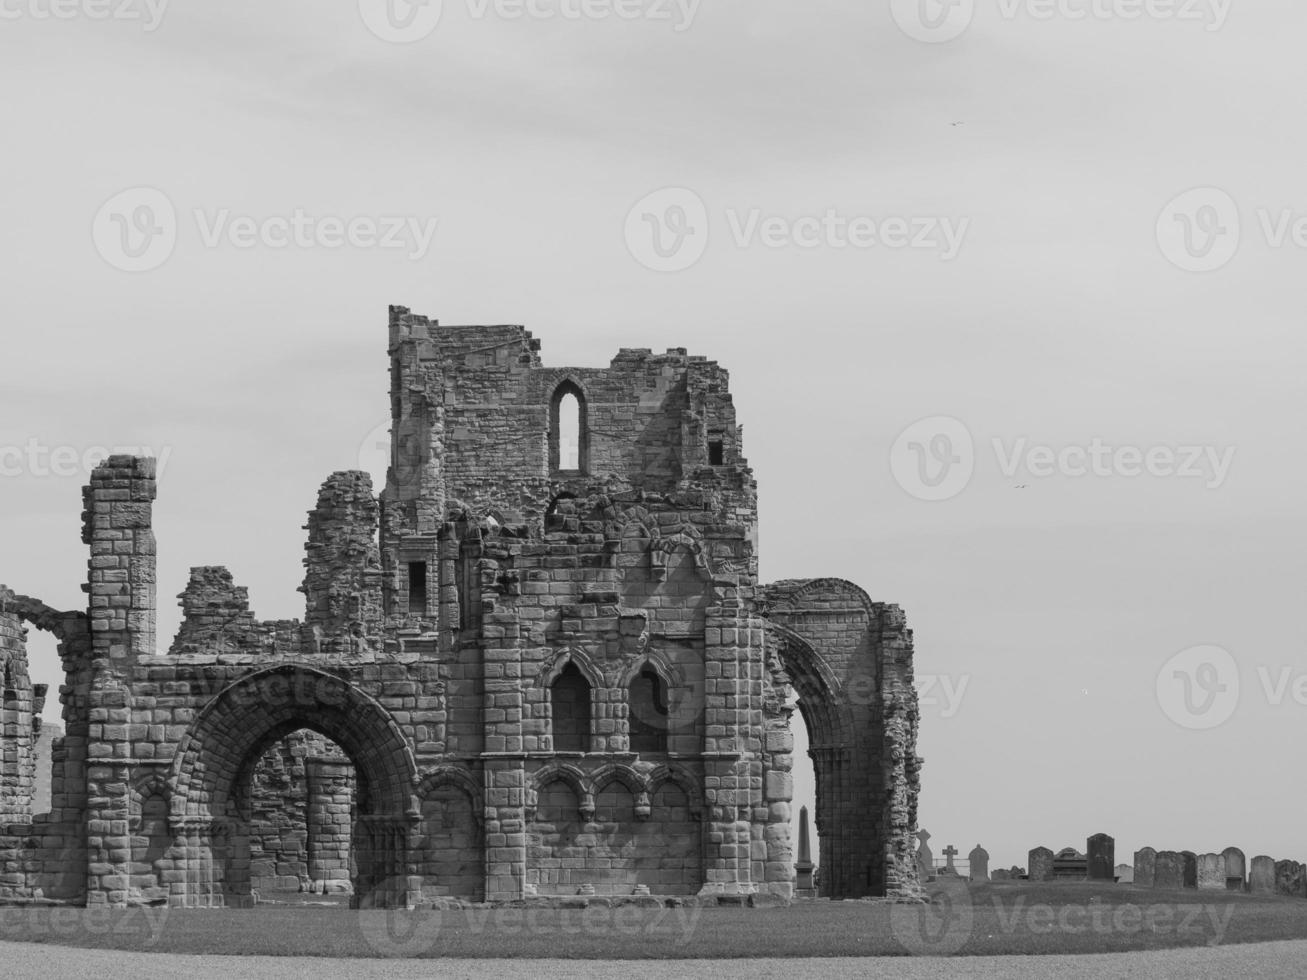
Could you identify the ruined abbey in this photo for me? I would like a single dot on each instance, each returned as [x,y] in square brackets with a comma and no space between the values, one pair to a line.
[538,663]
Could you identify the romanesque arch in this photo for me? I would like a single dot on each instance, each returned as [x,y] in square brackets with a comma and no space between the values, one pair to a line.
[211,773]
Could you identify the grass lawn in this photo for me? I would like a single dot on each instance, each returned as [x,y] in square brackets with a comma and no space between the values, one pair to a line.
[986,919]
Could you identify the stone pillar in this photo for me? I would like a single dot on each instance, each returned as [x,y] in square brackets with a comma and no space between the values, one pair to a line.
[342,570]
[329,822]
[732,638]
[901,766]
[505,776]
[19,721]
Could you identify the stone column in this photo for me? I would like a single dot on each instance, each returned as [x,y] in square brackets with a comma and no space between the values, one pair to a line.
[330,821]
[505,775]
[803,867]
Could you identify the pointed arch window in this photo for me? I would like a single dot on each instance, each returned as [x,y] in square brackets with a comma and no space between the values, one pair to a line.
[569,433]
[647,712]
[570,699]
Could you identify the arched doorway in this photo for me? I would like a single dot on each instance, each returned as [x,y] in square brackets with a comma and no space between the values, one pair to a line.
[213,770]
[843,843]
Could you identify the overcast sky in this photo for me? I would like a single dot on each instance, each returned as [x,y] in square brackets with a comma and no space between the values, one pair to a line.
[877,217]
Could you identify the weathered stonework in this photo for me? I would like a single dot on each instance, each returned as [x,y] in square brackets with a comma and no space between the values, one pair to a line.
[537,674]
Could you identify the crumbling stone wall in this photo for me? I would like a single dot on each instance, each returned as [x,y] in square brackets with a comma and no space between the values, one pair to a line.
[446,622]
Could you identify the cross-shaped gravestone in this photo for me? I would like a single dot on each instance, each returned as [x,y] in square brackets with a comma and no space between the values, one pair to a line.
[950,853]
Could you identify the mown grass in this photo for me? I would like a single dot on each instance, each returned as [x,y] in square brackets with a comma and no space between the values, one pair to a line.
[988,919]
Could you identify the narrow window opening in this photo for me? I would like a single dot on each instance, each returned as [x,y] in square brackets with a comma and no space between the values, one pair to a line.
[715,452]
[417,588]
[570,700]
[647,713]
[569,433]
[568,430]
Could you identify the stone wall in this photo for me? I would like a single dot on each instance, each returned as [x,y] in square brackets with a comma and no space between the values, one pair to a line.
[439,619]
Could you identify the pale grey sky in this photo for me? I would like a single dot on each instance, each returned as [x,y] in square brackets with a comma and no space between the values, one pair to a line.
[1061,317]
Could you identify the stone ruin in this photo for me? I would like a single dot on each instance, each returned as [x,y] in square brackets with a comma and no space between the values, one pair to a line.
[535,664]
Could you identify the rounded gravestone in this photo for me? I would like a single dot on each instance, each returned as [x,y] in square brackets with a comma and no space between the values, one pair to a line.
[1211,872]
[1261,875]
[1145,867]
[1236,869]
[1100,857]
[1041,864]
[978,864]
[1190,869]
[1169,871]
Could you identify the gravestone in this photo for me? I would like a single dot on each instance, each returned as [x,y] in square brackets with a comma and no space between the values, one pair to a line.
[978,864]
[1125,874]
[1145,867]
[1289,879]
[950,868]
[1041,864]
[1000,874]
[1100,857]
[1070,865]
[1236,874]
[1211,872]
[1169,870]
[925,859]
[1190,869]
[1261,876]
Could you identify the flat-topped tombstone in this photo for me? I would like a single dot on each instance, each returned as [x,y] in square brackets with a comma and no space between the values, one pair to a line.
[978,864]
[1041,864]
[1000,874]
[1125,874]
[1169,870]
[1236,873]
[1100,857]
[1145,867]
[1070,865]
[1190,869]
[1261,876]
[1289,879]
[1211,872]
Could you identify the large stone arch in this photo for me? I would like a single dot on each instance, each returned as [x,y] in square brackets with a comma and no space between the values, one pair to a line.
[215,760]
[849,661]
